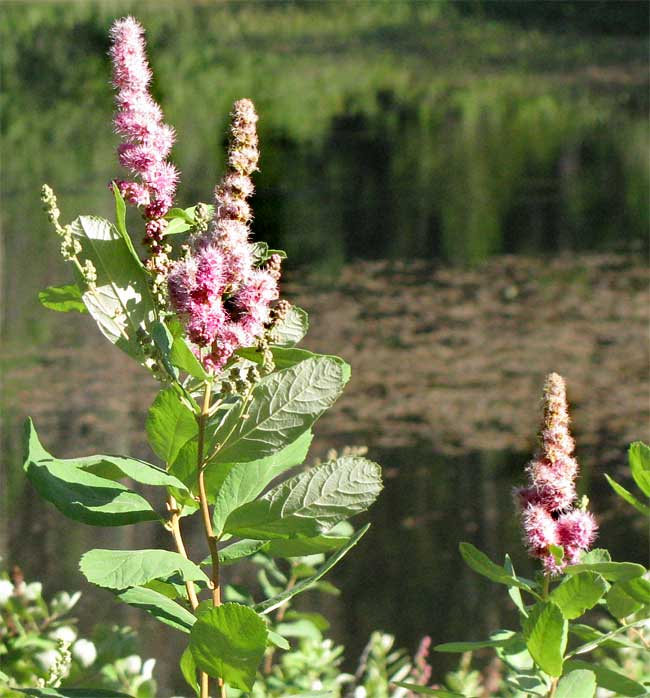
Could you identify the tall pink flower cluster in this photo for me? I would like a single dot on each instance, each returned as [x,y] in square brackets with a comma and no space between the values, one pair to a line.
[147,140]
[219,292]
[549,516]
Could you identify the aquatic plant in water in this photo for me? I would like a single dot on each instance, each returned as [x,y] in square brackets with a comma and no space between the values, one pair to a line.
[548,655]
[236,405]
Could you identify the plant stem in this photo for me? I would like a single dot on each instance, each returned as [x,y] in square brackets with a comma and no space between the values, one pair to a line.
[175,529]
[551,693]
[279,616]
[207,527]
[547,584]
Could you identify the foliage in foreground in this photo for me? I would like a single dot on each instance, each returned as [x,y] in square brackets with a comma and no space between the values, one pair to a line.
[236,406]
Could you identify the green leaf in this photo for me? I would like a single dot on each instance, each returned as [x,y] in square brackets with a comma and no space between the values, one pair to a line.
[117,467]
[63,298]
[580,683]
[78,494]
[170,425]
[513,592]
[604,639]
[638,588]
[228,642]
[587,633]
[596,555]
[292,329]
[160,607]
[163,339]
[120,569]
[300,547]
[619,603]
[237,551]
[183,357]
[498,639]
[612,571]
[188,669]
[608,679]
[120,300]
[244,481]
[283,406]
[639,459]
[120,223]
[271,604]
[482,564]
[425,691]
[578,593]
[545,632]
[311,502]
[70,693]
[277,640]
[628,496]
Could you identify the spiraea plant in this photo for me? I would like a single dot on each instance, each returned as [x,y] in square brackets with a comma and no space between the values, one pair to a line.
[237,398]
[582,609]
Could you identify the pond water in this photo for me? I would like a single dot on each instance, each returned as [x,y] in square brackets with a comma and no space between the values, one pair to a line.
[454,246]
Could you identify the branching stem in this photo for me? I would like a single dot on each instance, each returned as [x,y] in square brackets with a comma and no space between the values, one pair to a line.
[175,529]
[207,527]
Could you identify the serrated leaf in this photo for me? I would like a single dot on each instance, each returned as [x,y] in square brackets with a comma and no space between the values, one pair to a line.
[612,571]
[499,639]
[121,569]
[628,496]
[292,329]
[81,495]
[619,603]
[170,425]
[580,683]
[639,459]
[482,564]
[188,669]
[283,406]
[426,691]
[311,502]
[596,555]
[228,642]
[160,607]
[271,604]
[183,357]
[545,632]
[63,299]
[120,300]
[578,593]
[244,481]
[608,679]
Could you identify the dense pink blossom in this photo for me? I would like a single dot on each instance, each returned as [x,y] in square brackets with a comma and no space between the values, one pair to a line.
[548,516]
[222,296]
[139,120]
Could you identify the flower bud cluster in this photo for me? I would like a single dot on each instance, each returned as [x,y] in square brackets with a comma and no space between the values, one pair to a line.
[549,514]
[147,140]
[222,297]
[70,246]
[240,380]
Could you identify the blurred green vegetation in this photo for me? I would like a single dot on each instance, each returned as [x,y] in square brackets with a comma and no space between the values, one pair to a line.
[388,129]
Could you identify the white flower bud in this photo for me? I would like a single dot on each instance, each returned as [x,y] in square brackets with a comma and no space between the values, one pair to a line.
[85,652]
[6,591]
[33,591]
[132,664]
[147,669]
[47,660]
[65,634]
